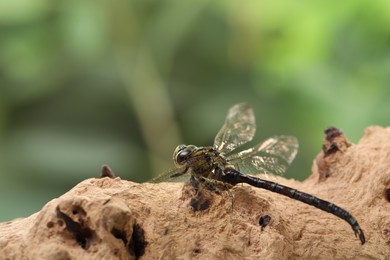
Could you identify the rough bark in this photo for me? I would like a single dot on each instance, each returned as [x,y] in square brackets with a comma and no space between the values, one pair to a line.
[110,218]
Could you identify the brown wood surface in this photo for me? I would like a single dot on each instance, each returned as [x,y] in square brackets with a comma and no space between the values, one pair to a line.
[111,218]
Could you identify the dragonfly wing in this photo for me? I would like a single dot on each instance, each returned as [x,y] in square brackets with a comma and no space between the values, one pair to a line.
[272,156]
[173,175]
[238,129]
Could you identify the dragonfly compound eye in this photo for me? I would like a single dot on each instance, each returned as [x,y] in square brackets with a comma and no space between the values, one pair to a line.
[182,156]
[182,153]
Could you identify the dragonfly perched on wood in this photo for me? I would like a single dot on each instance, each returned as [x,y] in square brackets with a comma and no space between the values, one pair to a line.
[217,166]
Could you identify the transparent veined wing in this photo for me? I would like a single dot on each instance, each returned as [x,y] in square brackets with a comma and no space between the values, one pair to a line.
[272,156]
[172,175]
[238,129]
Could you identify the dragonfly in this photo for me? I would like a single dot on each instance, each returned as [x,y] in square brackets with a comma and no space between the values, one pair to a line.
[218,166]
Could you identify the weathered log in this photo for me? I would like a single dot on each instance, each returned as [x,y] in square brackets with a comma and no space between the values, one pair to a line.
[110,218]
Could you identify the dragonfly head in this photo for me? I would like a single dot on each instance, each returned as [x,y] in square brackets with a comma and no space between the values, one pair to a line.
[183,153]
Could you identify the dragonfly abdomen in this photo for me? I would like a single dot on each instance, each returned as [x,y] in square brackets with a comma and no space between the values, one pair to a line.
[234,177]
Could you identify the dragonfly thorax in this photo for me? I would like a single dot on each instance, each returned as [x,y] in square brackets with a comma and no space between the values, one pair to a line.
[201,160]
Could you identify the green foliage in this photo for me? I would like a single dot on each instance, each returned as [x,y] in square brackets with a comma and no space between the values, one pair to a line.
[123,82]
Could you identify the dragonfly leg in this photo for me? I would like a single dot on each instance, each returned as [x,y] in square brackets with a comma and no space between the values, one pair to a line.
[199,202]
[195,184]
[218,175]
[225,186]
[209,185]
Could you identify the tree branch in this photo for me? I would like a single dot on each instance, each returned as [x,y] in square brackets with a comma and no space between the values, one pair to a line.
[110,218]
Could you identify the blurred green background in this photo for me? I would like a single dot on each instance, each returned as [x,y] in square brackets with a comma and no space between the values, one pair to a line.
[83,83]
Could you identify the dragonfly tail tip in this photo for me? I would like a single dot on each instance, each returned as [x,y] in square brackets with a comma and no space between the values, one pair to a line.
[360,234]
